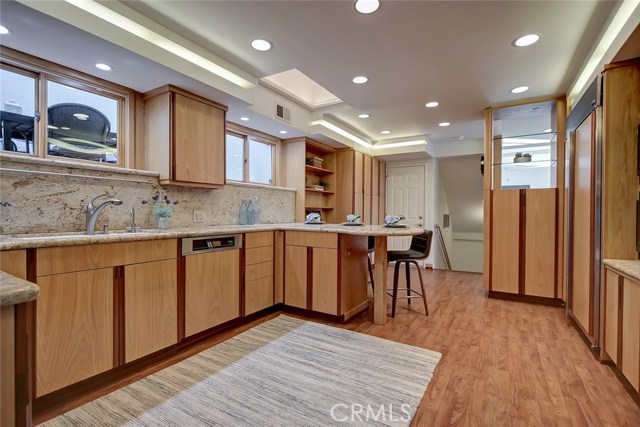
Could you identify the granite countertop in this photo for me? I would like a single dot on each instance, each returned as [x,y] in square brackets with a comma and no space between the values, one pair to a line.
[15,291]
[629,267]
[27,241]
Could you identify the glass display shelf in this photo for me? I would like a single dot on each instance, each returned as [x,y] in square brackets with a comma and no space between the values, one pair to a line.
[532,138]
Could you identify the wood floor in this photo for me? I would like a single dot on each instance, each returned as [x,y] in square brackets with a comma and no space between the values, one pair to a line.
[504,363]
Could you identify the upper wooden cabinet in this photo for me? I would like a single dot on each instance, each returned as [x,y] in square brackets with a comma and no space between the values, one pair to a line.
[184,138]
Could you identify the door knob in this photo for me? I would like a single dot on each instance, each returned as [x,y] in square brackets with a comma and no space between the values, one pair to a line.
[419,217]
[420,224]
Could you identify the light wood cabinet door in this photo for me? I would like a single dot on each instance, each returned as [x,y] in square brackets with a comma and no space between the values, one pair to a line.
[14,263]
[383,179]
[366,211]
[383,209]
[375,210]
[325,280]
[582,284]
[358,207]
[199,142]
[74,328]
[375,178]
[367,172]
[258,295]
[540,243]
[295,276]
[150,307]
[212,289]
[630,357]
[611,314]
[505,239]
[358,173]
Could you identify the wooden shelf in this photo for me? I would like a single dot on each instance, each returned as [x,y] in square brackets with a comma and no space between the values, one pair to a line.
[319,207]
[317,170]
[318,191]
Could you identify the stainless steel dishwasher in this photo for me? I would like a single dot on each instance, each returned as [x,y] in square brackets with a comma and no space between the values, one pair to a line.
[212,274]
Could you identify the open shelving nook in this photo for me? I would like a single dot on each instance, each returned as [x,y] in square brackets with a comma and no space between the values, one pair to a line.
[310,169]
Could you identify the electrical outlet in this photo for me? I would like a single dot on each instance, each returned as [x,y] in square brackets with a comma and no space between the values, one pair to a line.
[198,216]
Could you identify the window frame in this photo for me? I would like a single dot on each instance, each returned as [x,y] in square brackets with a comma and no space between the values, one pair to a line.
[247,134]
[44,71]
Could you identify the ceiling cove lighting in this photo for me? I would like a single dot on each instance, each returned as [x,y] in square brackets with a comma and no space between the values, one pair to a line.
[363,116]
[366,6]
[360,80]
[519,89]
[342,132]
[431,104]
[4,30]
[527,40]
[400,144]
[103,67]
[621,17]
[261,45]
[162,42]
[444,124]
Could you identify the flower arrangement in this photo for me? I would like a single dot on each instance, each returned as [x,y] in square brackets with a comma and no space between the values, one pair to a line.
[162,206]
[521,157]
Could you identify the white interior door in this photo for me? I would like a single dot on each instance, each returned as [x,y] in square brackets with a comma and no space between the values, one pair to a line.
[405,196]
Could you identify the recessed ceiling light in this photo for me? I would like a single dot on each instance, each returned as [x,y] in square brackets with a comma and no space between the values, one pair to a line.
[283,132]
[360,80]
[460,138]
[363,116]
[103,67]
[527,40]
[81,116]
[385,132]
[261,45]
[519,89]
[366,6]
[244,119]
[431,104]
[444,124]
[4,30]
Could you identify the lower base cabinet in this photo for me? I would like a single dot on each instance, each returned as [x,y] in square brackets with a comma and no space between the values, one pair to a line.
[325,273]
[151,307]
[74,332]
[212,289]
[621,326]
[259,271]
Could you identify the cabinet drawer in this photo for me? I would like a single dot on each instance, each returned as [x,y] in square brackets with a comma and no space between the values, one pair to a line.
[67,259]
[312,239]
[262,238]
[258,271]
[258,295]
[258,255]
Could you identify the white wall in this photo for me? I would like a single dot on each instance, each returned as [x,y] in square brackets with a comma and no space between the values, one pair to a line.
[466,254]
[442,208]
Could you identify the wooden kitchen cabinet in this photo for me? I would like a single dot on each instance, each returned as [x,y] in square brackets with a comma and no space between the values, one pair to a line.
[212,289]
[324,275]
[184,138]
[150,307]
[259,271]
[76,316]
[621,324]
[74,329]
[362,191]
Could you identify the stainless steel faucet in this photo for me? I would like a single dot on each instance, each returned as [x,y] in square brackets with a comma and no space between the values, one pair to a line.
[132,215]
[92,213]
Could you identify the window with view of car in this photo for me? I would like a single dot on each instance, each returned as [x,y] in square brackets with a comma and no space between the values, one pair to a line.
[82,119]
[249,158]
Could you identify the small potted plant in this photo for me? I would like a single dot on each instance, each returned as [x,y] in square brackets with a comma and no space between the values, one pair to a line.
[521,158]
[162,209]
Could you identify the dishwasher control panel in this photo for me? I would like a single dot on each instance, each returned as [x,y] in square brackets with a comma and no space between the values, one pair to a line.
[196,245]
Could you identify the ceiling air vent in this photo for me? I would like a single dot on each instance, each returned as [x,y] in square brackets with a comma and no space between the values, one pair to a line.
[283,113]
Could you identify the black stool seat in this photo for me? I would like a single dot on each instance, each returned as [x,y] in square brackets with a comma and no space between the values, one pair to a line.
[419,250]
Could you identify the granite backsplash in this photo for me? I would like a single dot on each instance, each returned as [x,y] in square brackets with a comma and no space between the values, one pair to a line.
[55,202]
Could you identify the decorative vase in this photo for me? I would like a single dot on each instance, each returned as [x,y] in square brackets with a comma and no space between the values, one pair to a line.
[163,222]
[523,159]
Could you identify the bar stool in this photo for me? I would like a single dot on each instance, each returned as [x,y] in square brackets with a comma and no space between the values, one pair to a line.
[419,250]
[371,245]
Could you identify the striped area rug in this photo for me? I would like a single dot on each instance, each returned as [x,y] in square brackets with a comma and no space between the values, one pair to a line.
[284,372]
